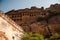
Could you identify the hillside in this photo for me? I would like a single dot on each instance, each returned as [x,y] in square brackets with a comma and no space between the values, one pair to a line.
[44,21]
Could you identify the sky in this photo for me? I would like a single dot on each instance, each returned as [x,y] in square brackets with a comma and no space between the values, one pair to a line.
[7,5]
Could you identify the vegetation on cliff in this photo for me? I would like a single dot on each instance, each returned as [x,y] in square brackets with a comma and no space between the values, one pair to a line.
[37,36]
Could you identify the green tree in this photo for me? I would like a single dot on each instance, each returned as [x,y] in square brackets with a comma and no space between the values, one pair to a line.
[40,19]
[55,36]
[32,36]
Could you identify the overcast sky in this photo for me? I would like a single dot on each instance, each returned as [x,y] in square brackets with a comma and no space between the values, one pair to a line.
[6,5]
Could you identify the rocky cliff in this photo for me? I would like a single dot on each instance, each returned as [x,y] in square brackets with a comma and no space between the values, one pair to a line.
[43,21]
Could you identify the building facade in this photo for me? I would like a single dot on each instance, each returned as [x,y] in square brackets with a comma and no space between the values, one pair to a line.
[26,15]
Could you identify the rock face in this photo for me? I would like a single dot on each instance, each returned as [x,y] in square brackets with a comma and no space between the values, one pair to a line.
[27,18]
[8,29]
[54,23]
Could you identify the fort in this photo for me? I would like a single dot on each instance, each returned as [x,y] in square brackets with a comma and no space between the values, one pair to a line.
[27,18]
